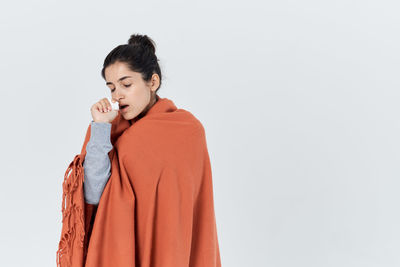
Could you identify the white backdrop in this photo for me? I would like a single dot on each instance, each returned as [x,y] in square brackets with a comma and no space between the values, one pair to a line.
[299,100]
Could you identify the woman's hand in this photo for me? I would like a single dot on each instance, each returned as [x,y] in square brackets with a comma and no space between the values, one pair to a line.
[103,112]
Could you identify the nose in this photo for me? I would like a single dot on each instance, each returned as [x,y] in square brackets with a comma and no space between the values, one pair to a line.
[116,96]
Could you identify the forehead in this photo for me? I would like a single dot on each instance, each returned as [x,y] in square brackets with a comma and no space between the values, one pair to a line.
[118,70]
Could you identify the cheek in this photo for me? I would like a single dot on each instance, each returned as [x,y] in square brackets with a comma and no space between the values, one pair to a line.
[140,97]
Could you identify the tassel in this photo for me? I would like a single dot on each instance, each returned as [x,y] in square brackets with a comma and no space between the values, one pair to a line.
[72,212]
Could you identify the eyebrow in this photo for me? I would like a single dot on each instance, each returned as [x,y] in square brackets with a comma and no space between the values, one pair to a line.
[120,79]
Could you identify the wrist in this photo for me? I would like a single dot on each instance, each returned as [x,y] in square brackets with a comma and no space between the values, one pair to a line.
[100,121]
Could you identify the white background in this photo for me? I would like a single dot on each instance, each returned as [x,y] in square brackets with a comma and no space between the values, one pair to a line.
[299,100]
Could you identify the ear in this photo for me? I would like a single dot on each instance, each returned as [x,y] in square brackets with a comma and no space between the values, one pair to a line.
[154,82]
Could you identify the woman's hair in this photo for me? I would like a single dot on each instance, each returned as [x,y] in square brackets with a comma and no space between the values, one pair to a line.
[138,54]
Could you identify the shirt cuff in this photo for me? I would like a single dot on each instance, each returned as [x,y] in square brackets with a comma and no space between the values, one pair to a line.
[100,132]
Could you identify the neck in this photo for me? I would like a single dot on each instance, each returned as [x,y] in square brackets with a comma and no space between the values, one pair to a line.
[152,102]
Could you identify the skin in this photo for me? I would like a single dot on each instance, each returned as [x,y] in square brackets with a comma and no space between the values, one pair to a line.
[133,91]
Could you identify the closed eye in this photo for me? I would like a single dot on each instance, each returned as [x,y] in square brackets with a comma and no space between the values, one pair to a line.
[126,85]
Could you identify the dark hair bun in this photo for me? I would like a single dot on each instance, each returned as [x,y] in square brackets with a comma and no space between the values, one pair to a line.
[143,41]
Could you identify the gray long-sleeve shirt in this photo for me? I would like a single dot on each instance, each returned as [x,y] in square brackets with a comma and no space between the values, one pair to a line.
[97,165]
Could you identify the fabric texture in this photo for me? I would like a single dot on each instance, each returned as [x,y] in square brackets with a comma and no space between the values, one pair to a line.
[97,165]
[157,207]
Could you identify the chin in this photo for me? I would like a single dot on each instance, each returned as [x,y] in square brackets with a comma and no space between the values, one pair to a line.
[128,116]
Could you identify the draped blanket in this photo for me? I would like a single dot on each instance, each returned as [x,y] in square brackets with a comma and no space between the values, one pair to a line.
[157,208]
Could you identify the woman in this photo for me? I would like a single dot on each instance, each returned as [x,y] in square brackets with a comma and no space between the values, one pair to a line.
[140,192]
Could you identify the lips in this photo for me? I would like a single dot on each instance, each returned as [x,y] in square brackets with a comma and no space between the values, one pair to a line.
[123,108]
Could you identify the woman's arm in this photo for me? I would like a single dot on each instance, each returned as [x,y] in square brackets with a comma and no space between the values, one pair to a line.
[97,166]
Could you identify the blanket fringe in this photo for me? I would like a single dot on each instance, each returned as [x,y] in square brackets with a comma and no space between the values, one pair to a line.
[72,212]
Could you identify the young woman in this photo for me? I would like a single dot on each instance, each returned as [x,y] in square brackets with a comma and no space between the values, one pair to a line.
[140,192]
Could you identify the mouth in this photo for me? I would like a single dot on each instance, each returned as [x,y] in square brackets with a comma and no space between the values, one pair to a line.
[123,108]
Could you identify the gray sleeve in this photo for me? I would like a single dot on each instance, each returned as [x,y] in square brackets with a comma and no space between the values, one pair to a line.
[97,166]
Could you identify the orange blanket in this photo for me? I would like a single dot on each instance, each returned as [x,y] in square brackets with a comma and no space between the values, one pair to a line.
[157,208]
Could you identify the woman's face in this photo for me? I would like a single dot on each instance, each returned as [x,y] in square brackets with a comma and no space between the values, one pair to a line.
[128,88]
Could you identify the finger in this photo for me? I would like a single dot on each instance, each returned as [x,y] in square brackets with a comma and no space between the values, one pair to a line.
[108,104]
[103,104]
[99,107]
